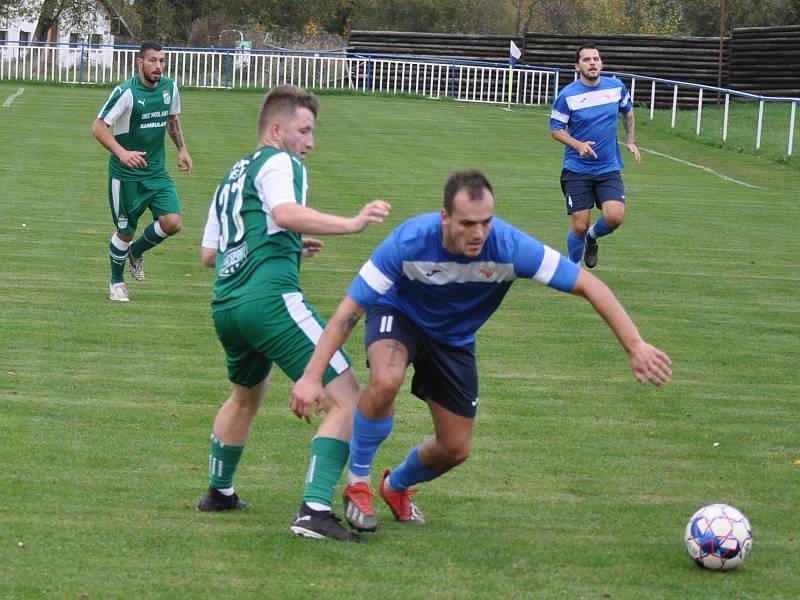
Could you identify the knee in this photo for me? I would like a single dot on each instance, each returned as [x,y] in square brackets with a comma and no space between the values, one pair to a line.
[613,213]
[580,222]
[171,224]
[614,220]
[245,404]
[456,454]
[382,389]
[580,229]
[246,401]
[342,395]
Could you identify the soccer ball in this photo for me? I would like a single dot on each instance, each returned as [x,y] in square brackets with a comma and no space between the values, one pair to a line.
[718,537]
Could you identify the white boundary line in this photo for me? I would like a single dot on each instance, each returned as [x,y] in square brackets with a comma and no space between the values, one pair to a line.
[13,97]
[702,168]
[696,166]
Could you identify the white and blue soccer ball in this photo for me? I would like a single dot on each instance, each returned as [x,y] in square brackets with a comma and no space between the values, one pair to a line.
[718,537]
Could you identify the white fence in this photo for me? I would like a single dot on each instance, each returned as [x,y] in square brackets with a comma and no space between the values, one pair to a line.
[435,77]
[232,68]
[703,95]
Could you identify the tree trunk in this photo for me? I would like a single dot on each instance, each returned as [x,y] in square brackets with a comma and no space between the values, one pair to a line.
[48,16]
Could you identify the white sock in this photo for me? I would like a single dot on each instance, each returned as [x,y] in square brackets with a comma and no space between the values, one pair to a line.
[226,491]
[159,232]
[353,478]
[119,244]
[318,507]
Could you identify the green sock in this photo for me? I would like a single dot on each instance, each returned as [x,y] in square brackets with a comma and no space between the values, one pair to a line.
[152,236]
[328,459]
[222,463]
[118,253]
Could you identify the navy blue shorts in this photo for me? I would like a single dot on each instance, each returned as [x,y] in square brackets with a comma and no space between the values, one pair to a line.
[447,375]
[584,190]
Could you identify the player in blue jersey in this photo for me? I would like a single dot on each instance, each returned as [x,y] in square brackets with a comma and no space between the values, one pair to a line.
[426,290]
[584,118]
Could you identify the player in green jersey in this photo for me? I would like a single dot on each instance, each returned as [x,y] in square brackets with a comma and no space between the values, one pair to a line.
[253,237]
[131,125]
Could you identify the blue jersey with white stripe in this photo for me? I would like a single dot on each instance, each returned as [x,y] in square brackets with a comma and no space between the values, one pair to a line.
[591,114]
[450,296]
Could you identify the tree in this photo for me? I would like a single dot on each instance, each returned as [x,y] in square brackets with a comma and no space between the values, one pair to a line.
[524,11]
[549,16]
[659,17]
[172,22]
[700,17]
[69,15]
[159,22]
[8,8]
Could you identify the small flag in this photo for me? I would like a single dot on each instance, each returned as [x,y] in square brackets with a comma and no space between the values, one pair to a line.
[514,53]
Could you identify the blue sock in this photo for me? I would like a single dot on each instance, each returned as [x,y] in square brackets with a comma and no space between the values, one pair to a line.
[575,247]
[368,435]
[600,228]
[411,471]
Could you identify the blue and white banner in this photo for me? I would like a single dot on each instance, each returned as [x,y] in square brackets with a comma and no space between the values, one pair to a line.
[514,53]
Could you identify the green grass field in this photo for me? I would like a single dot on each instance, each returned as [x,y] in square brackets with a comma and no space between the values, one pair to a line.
[581,480]
[742,128]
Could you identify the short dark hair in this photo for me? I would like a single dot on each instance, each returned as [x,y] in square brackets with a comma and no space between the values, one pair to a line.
[584,47]
[472,179]
[149,46]
[285,99]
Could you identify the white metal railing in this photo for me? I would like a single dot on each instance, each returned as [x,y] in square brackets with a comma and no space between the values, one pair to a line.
[235,68]
[190,67]
[436,77]
[469,81]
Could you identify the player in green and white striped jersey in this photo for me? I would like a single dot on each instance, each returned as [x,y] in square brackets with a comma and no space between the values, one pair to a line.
[253,237]
[131,125]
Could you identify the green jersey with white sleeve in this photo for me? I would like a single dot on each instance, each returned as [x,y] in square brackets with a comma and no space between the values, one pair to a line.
[138,116]
[255,256]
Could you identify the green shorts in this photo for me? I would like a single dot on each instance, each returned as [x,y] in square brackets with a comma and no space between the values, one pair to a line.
[283,329]
[129,200]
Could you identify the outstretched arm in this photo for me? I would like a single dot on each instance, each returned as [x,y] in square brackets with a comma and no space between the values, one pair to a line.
[307,391]
[303,219]
[648,362]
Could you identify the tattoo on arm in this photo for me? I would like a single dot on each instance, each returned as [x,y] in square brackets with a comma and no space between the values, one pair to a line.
[175,132]
[630,124]
[349,323]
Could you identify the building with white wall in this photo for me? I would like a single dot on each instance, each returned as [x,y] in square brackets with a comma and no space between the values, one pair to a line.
[73,30]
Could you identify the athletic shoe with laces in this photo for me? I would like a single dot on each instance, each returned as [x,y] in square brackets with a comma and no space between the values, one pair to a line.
[321,525]
[358,509]
[137,266]
[216,501]
[402,506]
[118,292]
[590,252]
